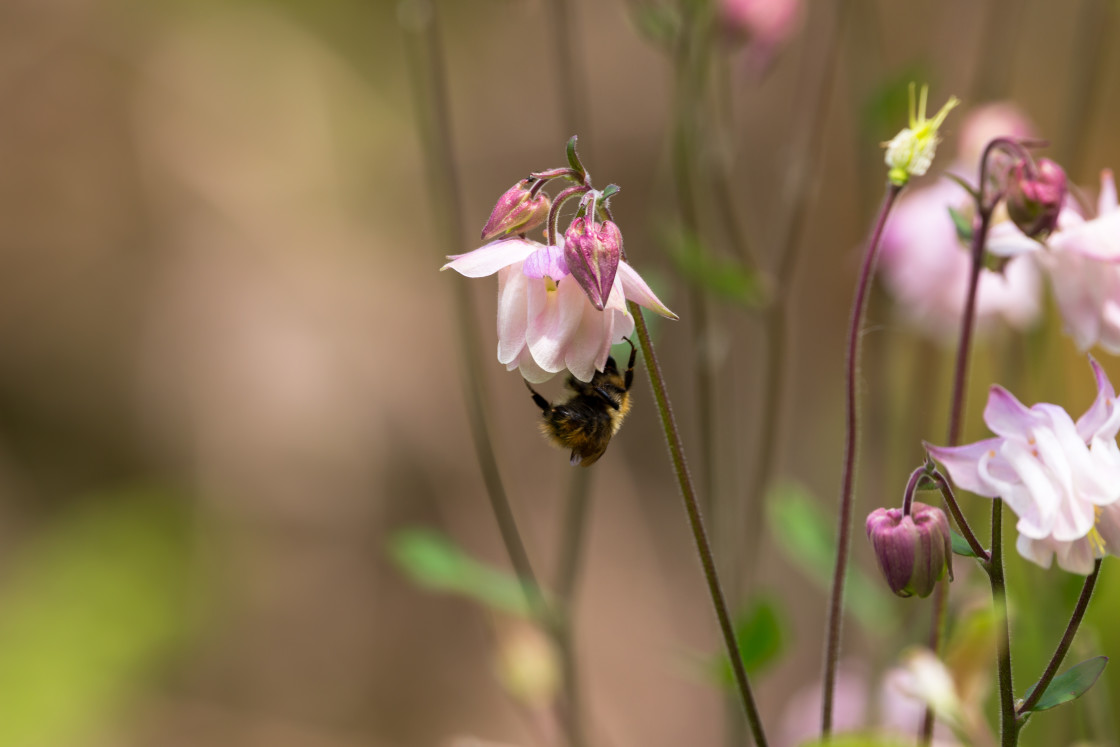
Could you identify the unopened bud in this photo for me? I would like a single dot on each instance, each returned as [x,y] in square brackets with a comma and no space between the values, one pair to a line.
[527,665]
[1035,203]
[592,252]
[913,551]
[517,211]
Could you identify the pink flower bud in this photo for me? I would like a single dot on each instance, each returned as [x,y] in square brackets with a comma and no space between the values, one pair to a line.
[517,211]
[1034,203]
[913,551]
[592,252]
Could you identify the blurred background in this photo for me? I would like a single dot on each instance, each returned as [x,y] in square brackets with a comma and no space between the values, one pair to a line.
[239,498]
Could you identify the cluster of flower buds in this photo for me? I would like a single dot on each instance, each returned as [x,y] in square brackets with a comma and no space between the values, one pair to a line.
[913,549]
[547,322]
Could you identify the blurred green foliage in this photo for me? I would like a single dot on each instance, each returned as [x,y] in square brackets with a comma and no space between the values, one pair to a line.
[432,561]
[805,536]
[87,610]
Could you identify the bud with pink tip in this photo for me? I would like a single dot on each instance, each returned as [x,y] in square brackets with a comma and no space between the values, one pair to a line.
[517,211]
[592,251]
[1034,201]
[913,550]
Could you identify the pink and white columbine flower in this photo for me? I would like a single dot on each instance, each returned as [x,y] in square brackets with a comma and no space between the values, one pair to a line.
[546,323]
[1083,263]
[1061,478]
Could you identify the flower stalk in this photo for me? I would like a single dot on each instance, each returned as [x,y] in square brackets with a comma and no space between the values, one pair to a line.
[844,532]
[695,520]
[1060,652]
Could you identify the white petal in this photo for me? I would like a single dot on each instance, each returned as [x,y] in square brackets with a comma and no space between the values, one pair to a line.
[513,312]
[636,290]
[530,371]
[1041,493]
[592,336]
[552,322]
[1106,203]
[1034,550]
[488,259]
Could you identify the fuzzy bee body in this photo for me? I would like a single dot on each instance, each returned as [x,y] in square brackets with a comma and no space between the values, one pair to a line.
[593,413]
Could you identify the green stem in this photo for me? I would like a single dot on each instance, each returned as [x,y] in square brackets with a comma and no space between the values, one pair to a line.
[1009,726]
[699,534]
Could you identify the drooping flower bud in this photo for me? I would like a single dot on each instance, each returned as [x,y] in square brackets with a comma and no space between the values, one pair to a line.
[913,551]
[517,211]
[1034,203]
[592,252]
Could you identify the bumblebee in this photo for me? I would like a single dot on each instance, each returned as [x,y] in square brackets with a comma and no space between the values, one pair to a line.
[594,412]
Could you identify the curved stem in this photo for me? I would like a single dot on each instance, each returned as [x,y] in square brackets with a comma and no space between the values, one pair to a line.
[958,516]
[699,534]
[1063,645]
[836,603]
[911,486]
[554,211]
[964,348]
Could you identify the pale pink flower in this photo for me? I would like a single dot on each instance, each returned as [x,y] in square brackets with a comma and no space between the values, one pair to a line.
[1062,479]
[1083,263]
[765,25]
[546,323]
[926,268]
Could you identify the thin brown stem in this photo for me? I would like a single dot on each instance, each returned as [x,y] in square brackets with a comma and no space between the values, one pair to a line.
[1060,652]
[851,449]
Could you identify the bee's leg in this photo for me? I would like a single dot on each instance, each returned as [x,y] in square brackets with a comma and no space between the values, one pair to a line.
[630,365]
[541,401]
[606,397]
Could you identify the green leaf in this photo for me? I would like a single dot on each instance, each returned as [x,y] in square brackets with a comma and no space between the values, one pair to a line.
[962,224]
[608,192]
[723,278]
[759,629]
[573,157]
[90,607]
[960,544]
[1070,684]
[434,562]
[804,533]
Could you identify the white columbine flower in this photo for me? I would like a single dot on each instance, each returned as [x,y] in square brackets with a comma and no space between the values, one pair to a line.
[1062,479]
[546,323]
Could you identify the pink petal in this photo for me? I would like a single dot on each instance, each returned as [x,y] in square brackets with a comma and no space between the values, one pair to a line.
[513,311]
[488,259]
[1106,202]
[1103,406]
[1007,416]
[962,463]
[553,320]
[636,290]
